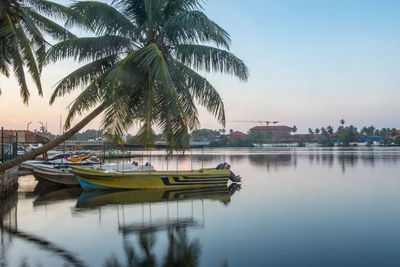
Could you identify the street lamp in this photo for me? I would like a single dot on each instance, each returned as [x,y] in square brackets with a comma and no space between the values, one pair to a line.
[41,128]
[27,125]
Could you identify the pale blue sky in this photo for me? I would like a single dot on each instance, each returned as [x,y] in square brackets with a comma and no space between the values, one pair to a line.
[311,63]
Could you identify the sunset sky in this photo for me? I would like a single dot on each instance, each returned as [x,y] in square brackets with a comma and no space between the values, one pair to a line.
[311,63]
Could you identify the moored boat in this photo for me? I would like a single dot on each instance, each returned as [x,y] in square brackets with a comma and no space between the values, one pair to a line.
[62,175]
[209,177]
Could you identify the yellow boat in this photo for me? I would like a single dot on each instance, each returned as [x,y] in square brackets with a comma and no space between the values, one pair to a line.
[100,179]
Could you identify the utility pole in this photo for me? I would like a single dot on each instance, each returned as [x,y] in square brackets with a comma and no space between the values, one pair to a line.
[27,125]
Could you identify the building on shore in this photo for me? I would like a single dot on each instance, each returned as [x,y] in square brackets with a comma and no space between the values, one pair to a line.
[236,134]
[273,131]
[24,136]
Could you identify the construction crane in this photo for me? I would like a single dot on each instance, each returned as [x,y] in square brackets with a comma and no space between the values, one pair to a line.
[256,121]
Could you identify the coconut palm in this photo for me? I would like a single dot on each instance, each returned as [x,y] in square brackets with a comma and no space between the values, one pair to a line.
[141,67]
[22,25]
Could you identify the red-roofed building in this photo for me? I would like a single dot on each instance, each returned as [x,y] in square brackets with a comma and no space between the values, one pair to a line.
[236,134]
[280,131]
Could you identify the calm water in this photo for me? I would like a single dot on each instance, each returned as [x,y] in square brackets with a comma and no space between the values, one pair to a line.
[304,207]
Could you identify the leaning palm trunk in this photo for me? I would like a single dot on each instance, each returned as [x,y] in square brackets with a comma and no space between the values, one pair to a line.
[53,143]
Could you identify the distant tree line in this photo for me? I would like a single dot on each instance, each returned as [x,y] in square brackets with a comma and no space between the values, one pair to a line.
[325,136]
[346,135]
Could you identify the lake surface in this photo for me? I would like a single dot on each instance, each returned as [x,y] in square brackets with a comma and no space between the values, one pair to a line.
[295,207]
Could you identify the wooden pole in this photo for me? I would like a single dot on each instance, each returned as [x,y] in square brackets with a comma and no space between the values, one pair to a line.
[2,145]
[16,144]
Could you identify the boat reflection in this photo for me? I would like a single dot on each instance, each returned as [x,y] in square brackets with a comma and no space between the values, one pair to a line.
[95,199]
[51,196]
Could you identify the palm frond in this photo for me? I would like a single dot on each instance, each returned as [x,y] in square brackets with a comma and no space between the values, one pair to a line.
[4,65]
[90,48]
[119,114]
[194,27]
[48,26]
[18,66]
[101,17]
[87,98]
[50,9]
[29,58]
[210,58]
[83,76]
[133,10]
[201,89]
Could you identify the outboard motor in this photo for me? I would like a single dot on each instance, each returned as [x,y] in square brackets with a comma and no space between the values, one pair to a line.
[233,177]
[223,166]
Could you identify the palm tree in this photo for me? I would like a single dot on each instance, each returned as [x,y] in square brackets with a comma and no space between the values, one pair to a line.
[142,69]
[329,129]
[22,26]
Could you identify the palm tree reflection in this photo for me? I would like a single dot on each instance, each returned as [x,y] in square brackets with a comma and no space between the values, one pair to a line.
[181,251]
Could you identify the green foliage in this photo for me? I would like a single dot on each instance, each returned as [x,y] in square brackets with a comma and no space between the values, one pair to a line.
[225,141]
[143,57]
[22,45]
[397,140]
[132,140]
[348,134]
[203,134]
[325,139]
[87,135]
[369,131]
[385,140]
[329,129]
[370,143]
[260,137]
[302,141]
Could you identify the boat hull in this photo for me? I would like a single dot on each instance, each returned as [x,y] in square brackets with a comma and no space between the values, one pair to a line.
[56,177]
[94,179]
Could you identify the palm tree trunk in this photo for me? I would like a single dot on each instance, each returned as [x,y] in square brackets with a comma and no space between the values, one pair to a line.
[53,143]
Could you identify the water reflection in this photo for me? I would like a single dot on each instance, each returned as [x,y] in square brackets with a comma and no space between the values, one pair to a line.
[51,196]
[102,198]
[296,205]
[180,251]
[9,231]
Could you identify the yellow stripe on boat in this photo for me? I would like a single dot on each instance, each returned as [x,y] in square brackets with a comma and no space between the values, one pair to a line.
[98,179]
